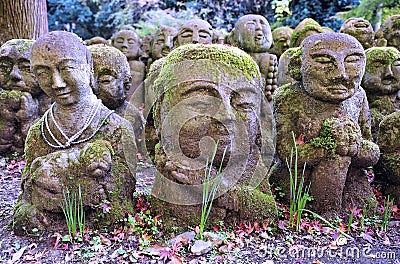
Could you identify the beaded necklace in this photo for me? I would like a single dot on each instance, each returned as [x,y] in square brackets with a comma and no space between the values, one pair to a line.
[70,140]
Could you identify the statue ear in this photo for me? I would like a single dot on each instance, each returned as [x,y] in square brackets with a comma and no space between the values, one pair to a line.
[93,84]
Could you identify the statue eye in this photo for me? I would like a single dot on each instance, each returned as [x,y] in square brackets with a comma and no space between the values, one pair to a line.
[324,59]
[396,63]
[352,58]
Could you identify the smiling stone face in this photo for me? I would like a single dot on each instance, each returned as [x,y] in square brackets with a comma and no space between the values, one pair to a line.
[361,29]
[252,33]
[15,71]
[332,66]
[193,32]
[382,74]
[128,42]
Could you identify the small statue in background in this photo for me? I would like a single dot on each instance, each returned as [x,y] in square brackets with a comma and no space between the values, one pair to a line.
[252,34]
[281,37]
[361,29]
[22,101]
[162,42]
[381,82]
[389,33]
[194,31]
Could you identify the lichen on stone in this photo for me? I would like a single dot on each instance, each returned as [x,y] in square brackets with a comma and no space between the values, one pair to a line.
[325,139]
[380,54]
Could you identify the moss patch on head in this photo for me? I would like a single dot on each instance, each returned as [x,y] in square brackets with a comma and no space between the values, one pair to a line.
[306,25]
[21,45]
[380,54]
[231,56]
[325,139]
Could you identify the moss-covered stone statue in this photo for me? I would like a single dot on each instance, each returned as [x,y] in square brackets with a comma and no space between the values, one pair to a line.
[113,78]
[281,37]
[305,28]
[128,42]
[328,113]
[162,42]
[381,82]
[21,99]
[77,143]
[361,29]
[252,33]
[388,167]
[388,34]
[208,94]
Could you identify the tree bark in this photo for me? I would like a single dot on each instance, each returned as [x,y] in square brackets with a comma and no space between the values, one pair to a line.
[25,19]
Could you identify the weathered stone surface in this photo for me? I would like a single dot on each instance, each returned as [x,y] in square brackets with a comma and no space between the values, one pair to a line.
[388,167]
[281,37]
[329,115]
[381,82]
[21,99]
[210,93]
[361,29]
[78,143]
[388,33]
[252,33]
[201,247]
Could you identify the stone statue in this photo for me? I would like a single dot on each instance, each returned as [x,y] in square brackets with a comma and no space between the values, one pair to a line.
[305,28]
[162,42]
[388,167]
[252,33]
[381,82]
[208,94]
[361,29]
[21,100]
[281,37]
[96,40]
[77,143]
[388,34]
[113,77]
[194,31]
[328,113]
[128,42]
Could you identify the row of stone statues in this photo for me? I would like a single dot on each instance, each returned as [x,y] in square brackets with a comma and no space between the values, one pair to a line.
[200,94]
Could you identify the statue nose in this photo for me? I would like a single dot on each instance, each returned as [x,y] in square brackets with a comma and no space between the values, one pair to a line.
[15,73]
[57,80]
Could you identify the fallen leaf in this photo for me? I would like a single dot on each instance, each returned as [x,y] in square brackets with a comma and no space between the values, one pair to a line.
[367,237]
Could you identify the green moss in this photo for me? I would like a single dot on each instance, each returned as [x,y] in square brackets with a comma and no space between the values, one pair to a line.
[325,139]
[231,56]
[306,25]
[380,55]
[22,45]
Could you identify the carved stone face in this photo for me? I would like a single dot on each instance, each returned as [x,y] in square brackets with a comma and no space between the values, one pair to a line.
[15,71]
[382,72]
[112,73]
[253,33]
[391,31]
[62,65]
[205,104]
[332,66]
[359,28]
[281,37]
[128,42]
[194,31]
[162,42]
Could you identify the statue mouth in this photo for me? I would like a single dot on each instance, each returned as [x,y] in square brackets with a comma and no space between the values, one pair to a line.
[361,25]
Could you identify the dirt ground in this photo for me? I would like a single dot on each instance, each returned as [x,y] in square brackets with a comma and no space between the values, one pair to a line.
[247,246]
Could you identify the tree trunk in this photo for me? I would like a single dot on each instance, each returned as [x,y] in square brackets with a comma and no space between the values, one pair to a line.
[22,19]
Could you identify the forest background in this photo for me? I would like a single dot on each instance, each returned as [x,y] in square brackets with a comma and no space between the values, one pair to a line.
[89,18]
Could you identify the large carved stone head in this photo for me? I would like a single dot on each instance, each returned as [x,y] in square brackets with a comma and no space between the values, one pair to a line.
[128,42]
[252,33]
[193,32]
[112,74]
[382,71]
[15,70]
[162,42]
[332,66]
[281,37]
[361,29]
[63,67]
[207,94]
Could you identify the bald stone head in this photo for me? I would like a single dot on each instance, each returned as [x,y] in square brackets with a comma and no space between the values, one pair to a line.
[15,71]
[359,28]
[112,74]
[193,32]
[332,66]
[252,33]
[162,42]
[128,42]
[63,67]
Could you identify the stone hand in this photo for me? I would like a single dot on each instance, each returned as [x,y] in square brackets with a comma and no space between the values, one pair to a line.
[347,135]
